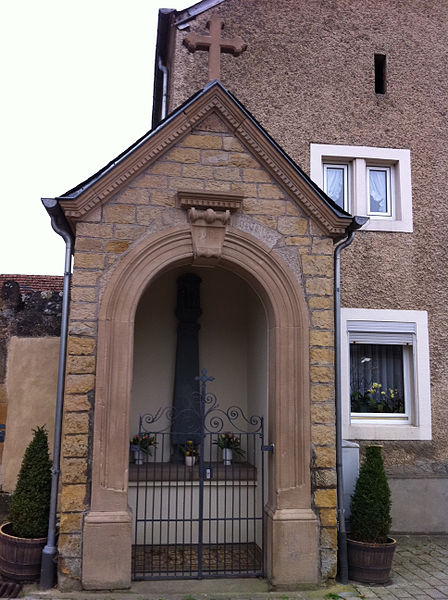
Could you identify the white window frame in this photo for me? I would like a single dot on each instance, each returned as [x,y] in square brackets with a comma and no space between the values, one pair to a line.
[409,326]
[359,159]
[366,332]
[389,197]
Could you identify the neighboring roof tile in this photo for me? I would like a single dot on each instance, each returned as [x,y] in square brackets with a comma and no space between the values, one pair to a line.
[35,283]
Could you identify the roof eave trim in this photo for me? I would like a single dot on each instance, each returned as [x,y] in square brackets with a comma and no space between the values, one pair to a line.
[214,97]
[186,15]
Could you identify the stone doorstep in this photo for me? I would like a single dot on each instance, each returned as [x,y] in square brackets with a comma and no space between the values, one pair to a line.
[191,589]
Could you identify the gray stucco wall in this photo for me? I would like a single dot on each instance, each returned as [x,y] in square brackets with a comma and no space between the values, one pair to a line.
[308,76]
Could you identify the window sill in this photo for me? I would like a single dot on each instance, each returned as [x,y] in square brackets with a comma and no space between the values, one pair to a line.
[383,431]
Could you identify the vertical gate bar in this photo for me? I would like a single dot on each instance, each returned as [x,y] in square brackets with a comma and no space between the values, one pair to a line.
[239,517]
[232,547]
[176,519]
[210,490]
[168,516]
[154,479]
[224,514]
[161,504]
[254,495]
[136,523]
[145,520]
[247,506]
[201,477]
[262,499]
[184,492]
[217,516]
[145,507]
[256,502]
[191,524]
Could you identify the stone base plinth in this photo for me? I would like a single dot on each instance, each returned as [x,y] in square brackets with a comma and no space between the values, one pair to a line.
[106,556]
[292,547]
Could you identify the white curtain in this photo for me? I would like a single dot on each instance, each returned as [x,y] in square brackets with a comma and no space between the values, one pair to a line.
[335,185]
[378,191]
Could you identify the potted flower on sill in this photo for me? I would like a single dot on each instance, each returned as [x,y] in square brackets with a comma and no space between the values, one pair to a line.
[141,446]
[370,549]
[377,400]
[23,538]
[191,452]
[229,444]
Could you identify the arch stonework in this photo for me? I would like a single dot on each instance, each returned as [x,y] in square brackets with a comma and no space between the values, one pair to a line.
[291,525]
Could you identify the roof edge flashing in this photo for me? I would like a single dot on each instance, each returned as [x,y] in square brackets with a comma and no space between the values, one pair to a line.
[186,15]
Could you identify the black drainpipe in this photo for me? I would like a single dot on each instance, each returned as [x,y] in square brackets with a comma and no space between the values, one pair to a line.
[342,533]
[61,226]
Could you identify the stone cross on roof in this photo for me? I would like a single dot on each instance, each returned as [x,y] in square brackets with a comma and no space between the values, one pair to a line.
[215,44]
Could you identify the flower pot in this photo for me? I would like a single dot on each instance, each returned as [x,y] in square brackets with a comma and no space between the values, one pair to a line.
[20,558]
[190,460]
[227,456]
[370,563]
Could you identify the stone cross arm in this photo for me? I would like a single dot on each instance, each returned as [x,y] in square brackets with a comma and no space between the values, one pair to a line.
[215,44]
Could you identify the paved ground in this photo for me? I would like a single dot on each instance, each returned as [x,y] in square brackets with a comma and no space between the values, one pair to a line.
[420,571]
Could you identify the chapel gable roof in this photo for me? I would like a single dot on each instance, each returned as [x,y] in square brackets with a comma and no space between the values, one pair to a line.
[214,98]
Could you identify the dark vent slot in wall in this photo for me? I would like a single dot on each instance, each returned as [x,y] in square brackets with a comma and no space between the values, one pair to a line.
[380,73]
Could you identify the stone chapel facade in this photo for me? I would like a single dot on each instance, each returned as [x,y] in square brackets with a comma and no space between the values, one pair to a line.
[158,209]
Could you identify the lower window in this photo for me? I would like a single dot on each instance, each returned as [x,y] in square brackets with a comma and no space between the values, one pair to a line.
[385,375]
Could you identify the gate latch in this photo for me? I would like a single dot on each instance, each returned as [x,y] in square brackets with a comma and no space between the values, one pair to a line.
[269,448]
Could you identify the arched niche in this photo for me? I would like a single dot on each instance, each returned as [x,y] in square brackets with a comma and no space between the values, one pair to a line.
[291,524]
[232,344]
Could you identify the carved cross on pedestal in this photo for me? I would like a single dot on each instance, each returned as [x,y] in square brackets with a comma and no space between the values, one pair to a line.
[215,44]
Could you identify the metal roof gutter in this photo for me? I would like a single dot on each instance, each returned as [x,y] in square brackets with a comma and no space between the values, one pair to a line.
[356,224]
[160,70]
[61,226]
[193,11]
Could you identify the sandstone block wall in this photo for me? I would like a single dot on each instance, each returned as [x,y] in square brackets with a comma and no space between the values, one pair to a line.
[209,159]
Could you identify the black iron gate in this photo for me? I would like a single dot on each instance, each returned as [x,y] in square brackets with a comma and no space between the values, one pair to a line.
[202,517]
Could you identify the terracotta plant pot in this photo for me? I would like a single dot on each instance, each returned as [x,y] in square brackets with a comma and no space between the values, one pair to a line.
[20,558]
[370,563]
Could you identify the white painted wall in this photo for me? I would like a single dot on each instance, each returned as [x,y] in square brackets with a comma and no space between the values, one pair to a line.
[232,341]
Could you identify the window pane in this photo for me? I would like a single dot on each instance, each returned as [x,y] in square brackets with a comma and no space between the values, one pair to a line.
[376,378]
[378,191]
[335,185]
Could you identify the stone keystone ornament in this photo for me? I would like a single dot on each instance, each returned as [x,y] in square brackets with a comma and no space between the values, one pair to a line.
[215,44]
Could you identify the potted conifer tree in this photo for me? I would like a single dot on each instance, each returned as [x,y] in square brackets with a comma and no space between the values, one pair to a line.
[370,549]
[23,538]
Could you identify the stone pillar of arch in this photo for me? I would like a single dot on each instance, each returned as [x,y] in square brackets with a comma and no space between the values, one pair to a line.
[291,525]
